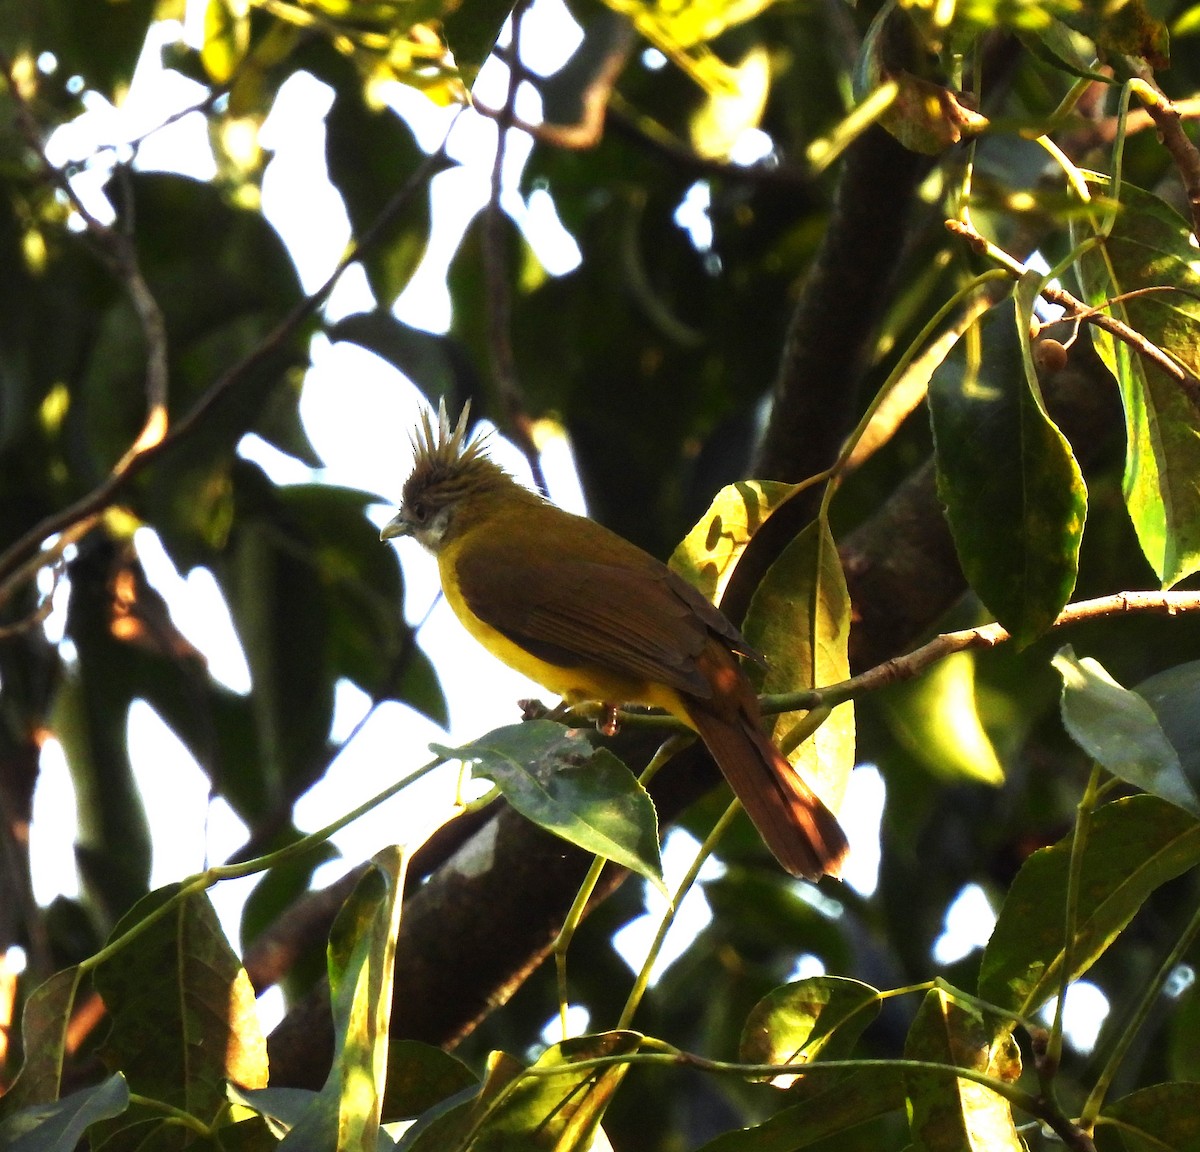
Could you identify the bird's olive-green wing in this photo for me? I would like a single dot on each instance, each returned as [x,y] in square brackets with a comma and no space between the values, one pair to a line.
[635,618]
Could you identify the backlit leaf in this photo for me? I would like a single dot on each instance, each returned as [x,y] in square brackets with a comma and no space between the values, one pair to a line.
[560,1111]
[807,1019]
[1150,246]
[708,554]
[346,1112]
[951,1114]
[182,1009]
[226,38]
[936,718]
[1134,845]
[799,619]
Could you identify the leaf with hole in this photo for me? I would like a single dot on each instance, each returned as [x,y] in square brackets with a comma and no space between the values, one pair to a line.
[953,1114]
[560,782]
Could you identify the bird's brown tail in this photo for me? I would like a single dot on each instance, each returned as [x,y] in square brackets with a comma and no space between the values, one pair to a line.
[803,834]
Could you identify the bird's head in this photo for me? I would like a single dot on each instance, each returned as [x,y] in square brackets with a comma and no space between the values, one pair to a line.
[449,479]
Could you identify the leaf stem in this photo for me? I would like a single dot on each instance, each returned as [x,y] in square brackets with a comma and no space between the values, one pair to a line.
[1095,1100]
[562,942]
[1048,1063]
[172,1114]
[202,881]
[706,849]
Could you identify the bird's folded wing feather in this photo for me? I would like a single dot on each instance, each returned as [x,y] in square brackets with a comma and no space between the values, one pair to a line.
[634,621]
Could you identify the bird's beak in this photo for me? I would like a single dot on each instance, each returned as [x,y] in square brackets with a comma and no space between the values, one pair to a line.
[398,525]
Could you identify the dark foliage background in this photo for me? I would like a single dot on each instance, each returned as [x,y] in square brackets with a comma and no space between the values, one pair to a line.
[134,356]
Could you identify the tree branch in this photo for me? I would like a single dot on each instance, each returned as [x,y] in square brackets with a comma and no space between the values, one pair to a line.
[22,559]
[498,303]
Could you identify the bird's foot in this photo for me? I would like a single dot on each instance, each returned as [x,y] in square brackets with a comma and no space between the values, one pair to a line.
[604,715]
[607,723]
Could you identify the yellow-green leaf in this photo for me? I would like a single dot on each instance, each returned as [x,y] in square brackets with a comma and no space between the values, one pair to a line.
[226,38]
[708,554]
[800,620]
[936,717]
[1150,247]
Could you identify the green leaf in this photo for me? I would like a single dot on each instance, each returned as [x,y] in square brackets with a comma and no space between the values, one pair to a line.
[936,718]
[1014,495]
[1153,1119]
[924,115]
[681,26]
[861,1096]
[217,310]
[423,357]
[471,30]
[1174,694]
[90,712]
[362,948]
[279,606]
[1060,47]
[44,1036]
[1150,246]
[283,1105]
[226,39]
[1134,845]
[371,154]
[59,1126]
[1183,1053]
[799,619]
[560,782]
[950,1114]
[1119,730]
[734,104]
[708,554]
[182,1009]
[99,42]
[421,1077]
[807,1019]
[367,638]
[560,1110]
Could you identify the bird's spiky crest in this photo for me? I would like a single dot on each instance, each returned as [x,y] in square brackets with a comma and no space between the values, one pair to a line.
[447,445]
[445,460]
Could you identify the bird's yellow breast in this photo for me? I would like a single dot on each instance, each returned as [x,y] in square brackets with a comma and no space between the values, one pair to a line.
[576,684]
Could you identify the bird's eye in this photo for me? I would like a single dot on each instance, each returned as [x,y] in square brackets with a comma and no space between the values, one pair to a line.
[419,513]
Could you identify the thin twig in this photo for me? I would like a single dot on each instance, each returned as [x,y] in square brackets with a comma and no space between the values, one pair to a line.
[22,558]
[118,250]
[989,636]
[1076,307]
[912,664]
[496,270]
[1168,119]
